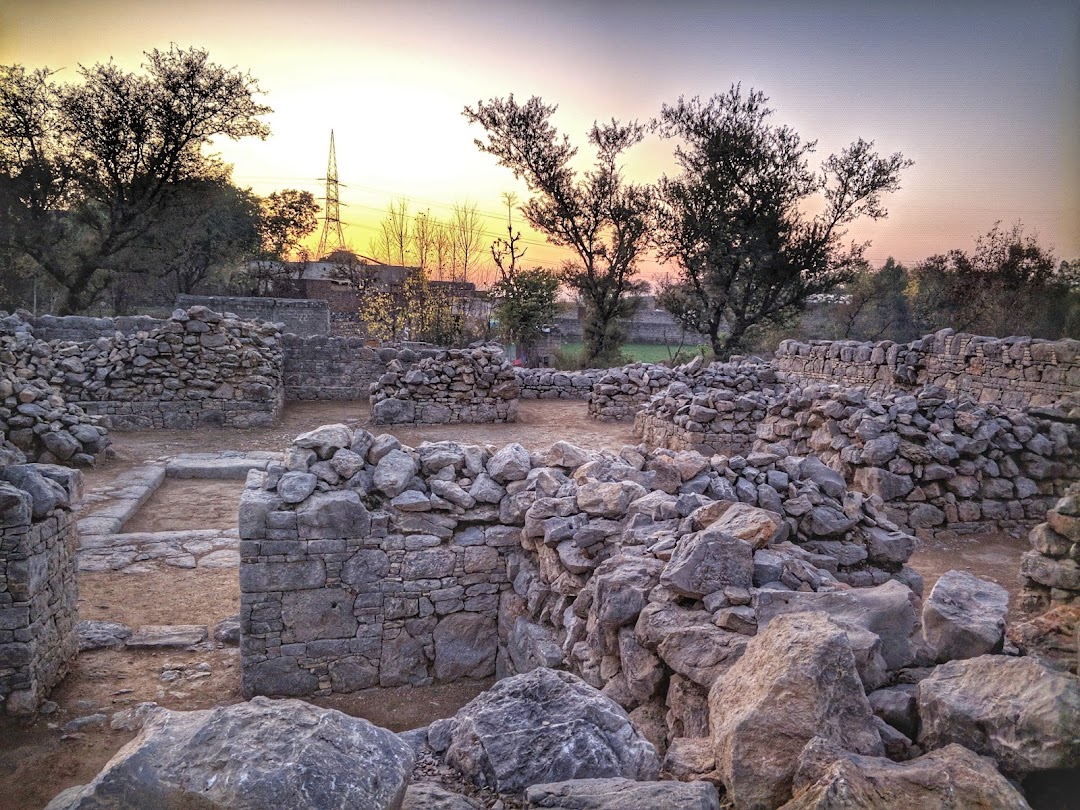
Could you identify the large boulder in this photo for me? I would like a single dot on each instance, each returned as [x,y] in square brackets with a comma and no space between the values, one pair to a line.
[546,726]
[1015,710]
[264,753]
[707,561]
[887,610]
[622,794]
[964,617]
[796,680]
[947,779]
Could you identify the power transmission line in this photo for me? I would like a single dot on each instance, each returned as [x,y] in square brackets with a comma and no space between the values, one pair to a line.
[332,213]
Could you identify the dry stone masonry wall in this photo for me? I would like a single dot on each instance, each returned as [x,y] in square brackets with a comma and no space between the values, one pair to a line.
[35,417]
[716,410]
[300,316]
[1013,372]
[1051,570]
[477,384]
[936,462]
[550,383]
[619,392]
[364,562]
[38,588]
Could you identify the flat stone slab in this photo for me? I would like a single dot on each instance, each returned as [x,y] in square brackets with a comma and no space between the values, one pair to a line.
[94,635]
[99,525]
[153,636]
[209,465]
[225,558]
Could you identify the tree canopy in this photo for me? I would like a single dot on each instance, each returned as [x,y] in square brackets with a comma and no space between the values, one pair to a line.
[734,220]
[85,168]
[602,218]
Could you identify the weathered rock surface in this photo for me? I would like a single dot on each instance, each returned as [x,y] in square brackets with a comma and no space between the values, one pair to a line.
[1015,710]
[622,794]
[429,796]
[950,778]
[797,680]
[964,617]
[93,635]
[250,756]
[546,726]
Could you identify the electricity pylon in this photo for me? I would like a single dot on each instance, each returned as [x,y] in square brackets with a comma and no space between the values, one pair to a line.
[332,214]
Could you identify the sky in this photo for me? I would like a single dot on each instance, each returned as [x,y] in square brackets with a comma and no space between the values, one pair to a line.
[983,96]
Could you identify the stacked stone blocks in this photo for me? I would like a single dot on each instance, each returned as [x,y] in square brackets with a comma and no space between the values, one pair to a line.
[38,587]
[475,385]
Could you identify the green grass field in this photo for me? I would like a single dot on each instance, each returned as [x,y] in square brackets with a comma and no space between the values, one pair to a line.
[637,352]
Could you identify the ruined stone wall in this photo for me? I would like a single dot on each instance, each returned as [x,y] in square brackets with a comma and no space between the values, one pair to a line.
[34,416]
[620,392]
[367,563]
[1014,372]
[550,383]
[1051,569]
[300,316]
[714,409]
[39,592]
[331,368]
[938,463]
[194,369]
[82,329]
[198,368]
[451,385]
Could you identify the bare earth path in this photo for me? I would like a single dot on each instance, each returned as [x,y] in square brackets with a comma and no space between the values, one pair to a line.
[40,758]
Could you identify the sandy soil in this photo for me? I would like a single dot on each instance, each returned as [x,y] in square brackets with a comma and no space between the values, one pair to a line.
[38,758]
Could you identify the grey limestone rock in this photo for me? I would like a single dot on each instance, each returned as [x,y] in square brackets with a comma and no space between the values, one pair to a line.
[93,635]
[1015,710]
[622,794]
[546,726]
[796,680]
[511,463]
[708,561]
[429,796]
[394,471]
[964,617]
[952,777]
[465,646]
[249,756]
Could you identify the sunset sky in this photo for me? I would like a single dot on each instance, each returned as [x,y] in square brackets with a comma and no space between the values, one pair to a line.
[984,97]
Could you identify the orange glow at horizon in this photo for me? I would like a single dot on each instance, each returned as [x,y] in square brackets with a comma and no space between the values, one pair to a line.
[994,133]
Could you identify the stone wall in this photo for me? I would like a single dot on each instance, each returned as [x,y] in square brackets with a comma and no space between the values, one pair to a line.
[300,316]
[620,392]
[715,409]
[937,462]
[550,383]
[39,592]
[34,415]
[330,368]
[450,385]
[198,368]
[367,563]
[1014,372]
[1051,570]
[82,329]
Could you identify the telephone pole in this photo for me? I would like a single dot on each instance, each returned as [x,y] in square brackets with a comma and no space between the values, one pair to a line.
[331,231]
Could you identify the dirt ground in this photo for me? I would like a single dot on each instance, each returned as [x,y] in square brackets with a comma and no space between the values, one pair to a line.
[40,757]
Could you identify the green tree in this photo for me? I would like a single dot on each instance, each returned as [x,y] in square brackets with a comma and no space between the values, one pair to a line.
[85,167]
[524,298]
[1009,285]
[602,218]
[875,306]
[206,229]
[286,217]
[734,219]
